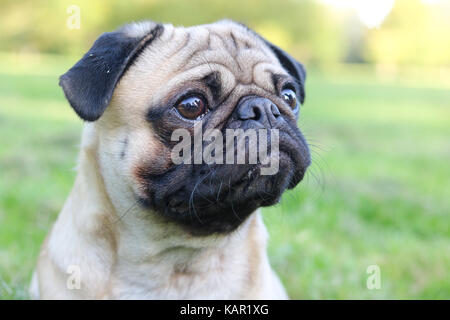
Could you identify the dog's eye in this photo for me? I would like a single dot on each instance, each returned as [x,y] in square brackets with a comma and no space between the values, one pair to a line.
[290,98]
[192,108]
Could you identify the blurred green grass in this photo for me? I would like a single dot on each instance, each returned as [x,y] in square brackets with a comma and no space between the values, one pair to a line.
[377,192]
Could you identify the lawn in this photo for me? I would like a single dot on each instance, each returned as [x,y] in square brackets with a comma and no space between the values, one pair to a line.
[377,193]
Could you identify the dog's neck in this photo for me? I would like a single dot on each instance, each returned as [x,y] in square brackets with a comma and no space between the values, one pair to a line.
[128,246]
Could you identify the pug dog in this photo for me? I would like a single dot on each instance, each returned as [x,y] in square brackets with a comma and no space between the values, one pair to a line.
[138,226]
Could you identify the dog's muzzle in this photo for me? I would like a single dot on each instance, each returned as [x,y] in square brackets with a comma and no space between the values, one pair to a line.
[217,198]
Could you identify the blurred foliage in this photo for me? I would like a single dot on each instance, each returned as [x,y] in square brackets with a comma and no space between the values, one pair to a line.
[376,193]
[413,33]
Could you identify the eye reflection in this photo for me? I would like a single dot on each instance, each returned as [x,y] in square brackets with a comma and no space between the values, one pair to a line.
[192,108]
[290,98]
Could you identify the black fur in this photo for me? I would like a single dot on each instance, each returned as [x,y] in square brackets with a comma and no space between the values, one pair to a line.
[212,80]
[89,84]
[292,66]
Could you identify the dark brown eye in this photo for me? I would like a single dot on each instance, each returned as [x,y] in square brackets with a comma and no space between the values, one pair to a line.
[192,108]
[290,98]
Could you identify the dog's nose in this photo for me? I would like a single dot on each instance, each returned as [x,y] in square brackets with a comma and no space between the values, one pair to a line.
[259,110]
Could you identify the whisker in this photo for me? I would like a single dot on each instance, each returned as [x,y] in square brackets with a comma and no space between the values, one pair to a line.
[126,212]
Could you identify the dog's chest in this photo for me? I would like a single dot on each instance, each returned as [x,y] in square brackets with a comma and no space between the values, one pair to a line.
[218,278]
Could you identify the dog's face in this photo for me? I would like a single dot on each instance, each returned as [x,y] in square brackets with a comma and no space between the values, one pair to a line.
[145,81]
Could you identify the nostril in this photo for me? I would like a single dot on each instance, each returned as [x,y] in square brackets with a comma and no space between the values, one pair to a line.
[257,113]
[257,109]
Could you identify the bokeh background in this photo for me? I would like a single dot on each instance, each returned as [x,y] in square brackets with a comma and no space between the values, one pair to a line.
[377,116]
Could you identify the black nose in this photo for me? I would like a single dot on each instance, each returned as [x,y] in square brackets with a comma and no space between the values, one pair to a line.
[259,110]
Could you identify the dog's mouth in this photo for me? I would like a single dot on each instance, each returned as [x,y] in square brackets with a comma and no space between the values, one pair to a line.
[211,194]
[208,199]
[218,203]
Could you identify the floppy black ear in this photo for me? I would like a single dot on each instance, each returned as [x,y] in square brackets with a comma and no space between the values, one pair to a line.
[295,68]
[90,83]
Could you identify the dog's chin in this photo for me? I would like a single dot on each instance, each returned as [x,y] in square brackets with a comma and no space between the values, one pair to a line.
[217,199]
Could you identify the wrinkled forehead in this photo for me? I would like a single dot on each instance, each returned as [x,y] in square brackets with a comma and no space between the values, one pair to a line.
[180,55]
[230,48]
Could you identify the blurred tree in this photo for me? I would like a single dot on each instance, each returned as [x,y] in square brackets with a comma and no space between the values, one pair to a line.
[413,33]
[303,25]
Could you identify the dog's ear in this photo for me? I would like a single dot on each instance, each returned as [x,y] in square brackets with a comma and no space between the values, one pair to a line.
[90,83]
[295,68]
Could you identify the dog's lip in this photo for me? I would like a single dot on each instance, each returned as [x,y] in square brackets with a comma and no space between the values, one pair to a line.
[178,206]
[249,175]
[251,171]
[177,202]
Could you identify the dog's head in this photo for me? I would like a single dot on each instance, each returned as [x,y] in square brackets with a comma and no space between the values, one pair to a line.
[144,82]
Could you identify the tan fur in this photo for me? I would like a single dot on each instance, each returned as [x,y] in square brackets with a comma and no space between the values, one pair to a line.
[123,251]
